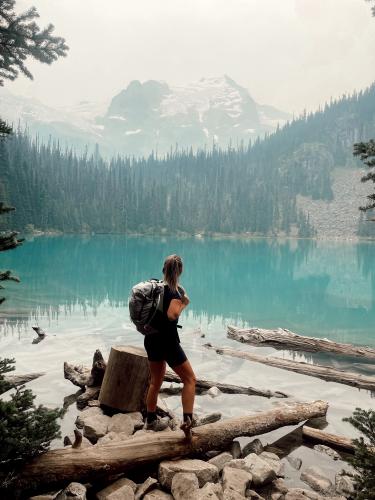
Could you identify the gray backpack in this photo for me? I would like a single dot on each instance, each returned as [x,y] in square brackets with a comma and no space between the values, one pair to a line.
[145,300]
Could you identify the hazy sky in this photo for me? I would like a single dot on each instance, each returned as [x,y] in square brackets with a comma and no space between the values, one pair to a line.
[289,53]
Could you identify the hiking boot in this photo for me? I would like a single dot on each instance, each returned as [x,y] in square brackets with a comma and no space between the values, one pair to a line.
[159,424]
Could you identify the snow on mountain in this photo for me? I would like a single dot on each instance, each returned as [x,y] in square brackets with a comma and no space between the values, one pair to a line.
[151,116]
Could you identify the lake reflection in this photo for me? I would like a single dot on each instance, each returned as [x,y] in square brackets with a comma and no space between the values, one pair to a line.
[324,289]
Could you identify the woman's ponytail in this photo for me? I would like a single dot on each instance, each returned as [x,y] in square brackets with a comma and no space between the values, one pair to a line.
[171,270]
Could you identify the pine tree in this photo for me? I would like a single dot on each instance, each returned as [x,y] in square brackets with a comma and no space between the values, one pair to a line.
[363,460]
[21,37]
[366,153]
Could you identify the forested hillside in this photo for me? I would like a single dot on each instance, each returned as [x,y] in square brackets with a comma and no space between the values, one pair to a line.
[253,189]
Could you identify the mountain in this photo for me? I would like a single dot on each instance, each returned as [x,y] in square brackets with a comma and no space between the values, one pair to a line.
[151,116]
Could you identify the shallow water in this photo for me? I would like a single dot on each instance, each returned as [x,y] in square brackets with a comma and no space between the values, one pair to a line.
[76,288]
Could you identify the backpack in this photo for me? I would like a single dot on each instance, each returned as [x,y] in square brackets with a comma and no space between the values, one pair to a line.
[145,300]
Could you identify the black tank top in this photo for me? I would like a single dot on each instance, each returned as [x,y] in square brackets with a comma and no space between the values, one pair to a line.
[161,322]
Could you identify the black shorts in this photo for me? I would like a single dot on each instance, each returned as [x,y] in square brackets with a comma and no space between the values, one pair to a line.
[158,349]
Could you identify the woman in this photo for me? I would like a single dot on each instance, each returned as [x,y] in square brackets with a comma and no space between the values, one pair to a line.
[164,347]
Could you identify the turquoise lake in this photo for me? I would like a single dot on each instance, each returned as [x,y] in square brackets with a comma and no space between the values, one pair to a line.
[76,288]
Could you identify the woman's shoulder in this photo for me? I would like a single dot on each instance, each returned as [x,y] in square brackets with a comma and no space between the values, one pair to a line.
[173,294]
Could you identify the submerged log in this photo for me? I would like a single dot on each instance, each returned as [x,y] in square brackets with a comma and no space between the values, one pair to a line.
[126,379]
[319,371]
[77,464]
[329,439]
[228,388]
[285,339]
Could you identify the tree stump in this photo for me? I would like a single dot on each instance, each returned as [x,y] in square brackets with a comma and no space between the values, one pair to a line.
[126,379]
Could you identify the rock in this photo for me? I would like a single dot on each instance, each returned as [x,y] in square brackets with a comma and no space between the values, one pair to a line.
[204,471]
[261,471]
[210,491]
[276,495]
[96,427]
[209,419]
[214,392]
[315,478]
[344,484]
[274,462]
[121,423]
[295,462]
[185,486]
[232,495]
[235,449]
[137,418]
[74,491]
[212,453]
[322,448]
[157,495]
[113,436]
[239,463]
[43,497]
[253,494]
[121,489]
[142,432]
[69,440]
[87,413]
[300,494]
[220,460]
[93,402]
[236,479]
[280,486]
[145,487]
[254,446]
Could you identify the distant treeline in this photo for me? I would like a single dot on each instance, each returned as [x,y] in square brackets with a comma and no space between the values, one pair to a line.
[250,189]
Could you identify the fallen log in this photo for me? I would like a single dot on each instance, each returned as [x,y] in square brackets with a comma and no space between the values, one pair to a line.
[17,380]
[228,388]
[323,372]
[81,464]
[281,338]
[326,438]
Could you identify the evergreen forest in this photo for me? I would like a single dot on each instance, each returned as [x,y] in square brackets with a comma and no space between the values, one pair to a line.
[249,189]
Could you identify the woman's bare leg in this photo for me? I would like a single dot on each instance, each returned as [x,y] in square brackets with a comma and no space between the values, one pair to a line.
[157,372]
[186,374]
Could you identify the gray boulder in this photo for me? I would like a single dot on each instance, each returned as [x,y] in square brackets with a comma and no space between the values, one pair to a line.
[157,494]
[145,487]
[214,392]
[95,427]
[74,491]
[204,471]
[69,440]
[236,480]
[295,462]
[301,494]
[239,463]
[274,462]
[185,486]
[220,460]
[232,495]
[253,495]
[261,471]
[137,418]
[235,450]
[119,490]
[210,491]
[316,479]
[121,422]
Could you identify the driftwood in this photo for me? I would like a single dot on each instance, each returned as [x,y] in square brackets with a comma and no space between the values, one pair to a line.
[319,371]
[81,464]
[9,240]
[285,339]
[204,385]
[83,376]
[41,334]
[329,439]
[17,380]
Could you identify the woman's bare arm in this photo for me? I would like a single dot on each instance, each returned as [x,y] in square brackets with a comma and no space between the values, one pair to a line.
[176,307]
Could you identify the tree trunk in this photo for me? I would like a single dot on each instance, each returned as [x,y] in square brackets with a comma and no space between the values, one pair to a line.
[323,372]
[284,339]
[17,380]
[126,379]
[68,464]
[329,439]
